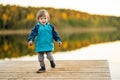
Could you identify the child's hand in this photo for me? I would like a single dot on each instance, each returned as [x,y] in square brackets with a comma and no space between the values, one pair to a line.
[60,44]
[30,43]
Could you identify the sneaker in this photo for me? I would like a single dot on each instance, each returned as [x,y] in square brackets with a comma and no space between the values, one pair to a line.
[52,64]
[41,70]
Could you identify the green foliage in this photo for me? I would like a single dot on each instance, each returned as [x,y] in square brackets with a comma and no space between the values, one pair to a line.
[16,17]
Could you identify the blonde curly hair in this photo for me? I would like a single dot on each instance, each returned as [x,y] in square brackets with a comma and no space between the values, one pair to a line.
[42,12]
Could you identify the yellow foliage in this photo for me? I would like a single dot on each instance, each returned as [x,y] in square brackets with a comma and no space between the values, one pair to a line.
[85,17]
[85,43]
[5,17]
[78,15]
[65,45]
[64,15]
[30,16]
[31,47]
[78,44]
[6,47]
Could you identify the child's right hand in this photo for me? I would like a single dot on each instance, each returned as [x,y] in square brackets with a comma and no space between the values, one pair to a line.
[60,44]
[30,43]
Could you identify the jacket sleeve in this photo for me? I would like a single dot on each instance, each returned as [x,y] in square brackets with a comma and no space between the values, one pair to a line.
[33,33]
[55,34]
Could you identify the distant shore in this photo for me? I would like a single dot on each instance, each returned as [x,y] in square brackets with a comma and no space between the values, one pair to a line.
[65,30]
[10,32]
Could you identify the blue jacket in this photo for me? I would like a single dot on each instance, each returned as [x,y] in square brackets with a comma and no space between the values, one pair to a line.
[44,36]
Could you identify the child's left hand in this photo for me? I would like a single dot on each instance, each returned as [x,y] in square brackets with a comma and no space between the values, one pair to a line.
[30,43]
[60,44]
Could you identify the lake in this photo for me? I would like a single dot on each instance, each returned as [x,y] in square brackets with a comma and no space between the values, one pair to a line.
[15,45]
[105,51]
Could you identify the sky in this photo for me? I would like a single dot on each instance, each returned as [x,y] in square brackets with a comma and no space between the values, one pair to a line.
[99,7]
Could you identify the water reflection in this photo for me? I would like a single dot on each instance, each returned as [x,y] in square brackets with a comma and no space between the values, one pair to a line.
[13,46]
[16,45]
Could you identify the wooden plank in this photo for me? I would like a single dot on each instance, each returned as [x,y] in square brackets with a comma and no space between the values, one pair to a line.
[65,70]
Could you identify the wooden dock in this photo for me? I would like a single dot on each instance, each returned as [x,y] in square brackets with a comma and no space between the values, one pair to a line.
[65,70]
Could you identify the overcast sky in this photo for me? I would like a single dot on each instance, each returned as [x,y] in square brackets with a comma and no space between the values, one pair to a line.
[102,7]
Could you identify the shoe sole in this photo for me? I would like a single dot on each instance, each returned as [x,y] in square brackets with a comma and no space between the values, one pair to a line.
[40,71]
[52,66]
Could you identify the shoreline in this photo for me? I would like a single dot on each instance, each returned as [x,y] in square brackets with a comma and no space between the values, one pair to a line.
[65,30]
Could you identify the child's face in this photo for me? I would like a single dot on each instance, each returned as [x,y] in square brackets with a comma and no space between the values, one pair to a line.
[43,20]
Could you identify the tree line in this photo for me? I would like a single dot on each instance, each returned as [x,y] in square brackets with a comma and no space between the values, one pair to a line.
[17,17]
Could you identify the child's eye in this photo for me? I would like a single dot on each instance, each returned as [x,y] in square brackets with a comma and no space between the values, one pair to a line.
[41,18]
